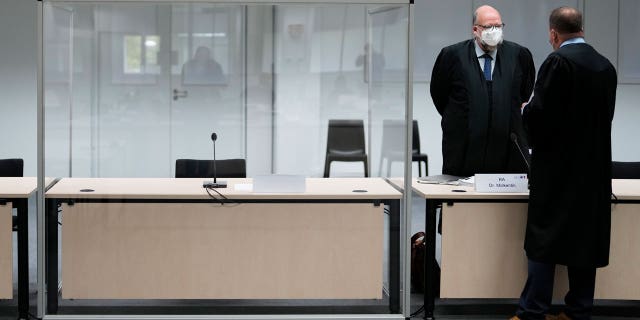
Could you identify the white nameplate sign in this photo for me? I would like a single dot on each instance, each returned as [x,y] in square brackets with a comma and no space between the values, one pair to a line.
[279,183]
[502,182]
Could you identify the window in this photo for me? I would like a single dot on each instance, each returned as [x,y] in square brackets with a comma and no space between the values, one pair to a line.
[140,54]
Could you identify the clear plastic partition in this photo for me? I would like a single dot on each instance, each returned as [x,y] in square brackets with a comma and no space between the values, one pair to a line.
[132,87]
[387,88]
[18,127]
[303,108]
[59,93]
[18,112]
[338,63]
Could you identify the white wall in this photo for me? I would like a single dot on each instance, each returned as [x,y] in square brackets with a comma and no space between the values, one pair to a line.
[527,24]
[18,112]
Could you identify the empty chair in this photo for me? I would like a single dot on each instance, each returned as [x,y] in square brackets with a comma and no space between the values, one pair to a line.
[625,170]
[393,147]
[416,156]
[12,168]
[345,142]
[228,168]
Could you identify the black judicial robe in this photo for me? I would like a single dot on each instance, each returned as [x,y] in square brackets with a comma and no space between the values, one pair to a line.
[475,133]
[569,126]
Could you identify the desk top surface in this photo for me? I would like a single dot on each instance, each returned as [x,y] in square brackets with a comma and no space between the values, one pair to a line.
[623,189]
[442,191]
[626,189]
[188,188]
[18,187]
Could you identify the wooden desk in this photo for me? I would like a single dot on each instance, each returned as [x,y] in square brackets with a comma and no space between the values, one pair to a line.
[483,240]
[168,239]
[14,194]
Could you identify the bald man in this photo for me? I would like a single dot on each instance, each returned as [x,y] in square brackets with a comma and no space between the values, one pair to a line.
[478,86]
[569,125]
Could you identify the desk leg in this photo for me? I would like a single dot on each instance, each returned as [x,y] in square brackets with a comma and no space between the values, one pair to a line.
[430,254]
[394,256]
[52,255]
[23,258]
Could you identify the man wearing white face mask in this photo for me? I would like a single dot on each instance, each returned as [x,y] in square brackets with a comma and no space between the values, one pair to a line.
[477,86]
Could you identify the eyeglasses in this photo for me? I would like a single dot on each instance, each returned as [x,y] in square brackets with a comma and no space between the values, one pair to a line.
[498,26]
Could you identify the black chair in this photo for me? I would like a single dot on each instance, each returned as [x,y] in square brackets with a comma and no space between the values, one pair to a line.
[228,168]
[12,168]
[416,156]
[345,142]
[393,151]
[625,170]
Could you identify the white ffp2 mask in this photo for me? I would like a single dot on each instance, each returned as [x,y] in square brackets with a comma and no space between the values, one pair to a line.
[492,37]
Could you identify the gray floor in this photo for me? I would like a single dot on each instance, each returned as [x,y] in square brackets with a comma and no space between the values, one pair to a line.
[451,309]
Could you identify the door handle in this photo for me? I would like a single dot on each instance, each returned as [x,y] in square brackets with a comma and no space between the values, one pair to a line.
[179,94]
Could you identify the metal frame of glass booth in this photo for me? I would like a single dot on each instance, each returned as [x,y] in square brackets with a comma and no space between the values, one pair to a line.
[405,202]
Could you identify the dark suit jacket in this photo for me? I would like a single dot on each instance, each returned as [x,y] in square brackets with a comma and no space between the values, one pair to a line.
[569,126]
[475,135]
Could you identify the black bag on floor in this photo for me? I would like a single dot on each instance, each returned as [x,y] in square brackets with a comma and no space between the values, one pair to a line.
[418,250]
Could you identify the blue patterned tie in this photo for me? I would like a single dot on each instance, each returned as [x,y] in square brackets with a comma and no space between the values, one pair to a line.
[487,66]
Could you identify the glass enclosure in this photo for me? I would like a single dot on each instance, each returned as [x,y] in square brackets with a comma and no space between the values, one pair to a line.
[18,146]
[311,90]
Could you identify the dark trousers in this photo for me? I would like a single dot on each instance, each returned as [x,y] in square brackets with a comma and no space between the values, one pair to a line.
[538,292]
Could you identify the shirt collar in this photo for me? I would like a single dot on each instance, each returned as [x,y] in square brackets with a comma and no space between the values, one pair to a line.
[480,52]
[572,41]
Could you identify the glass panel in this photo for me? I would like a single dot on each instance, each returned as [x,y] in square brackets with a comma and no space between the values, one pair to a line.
[384,62]
[18,148]
[18,112]
[319,77]
[142,85]
[58,78]
[58,86]
[131,91]
[207,81]
[386,59]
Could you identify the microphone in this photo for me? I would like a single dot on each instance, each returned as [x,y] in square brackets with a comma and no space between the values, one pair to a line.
[514,138]
[215,183]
